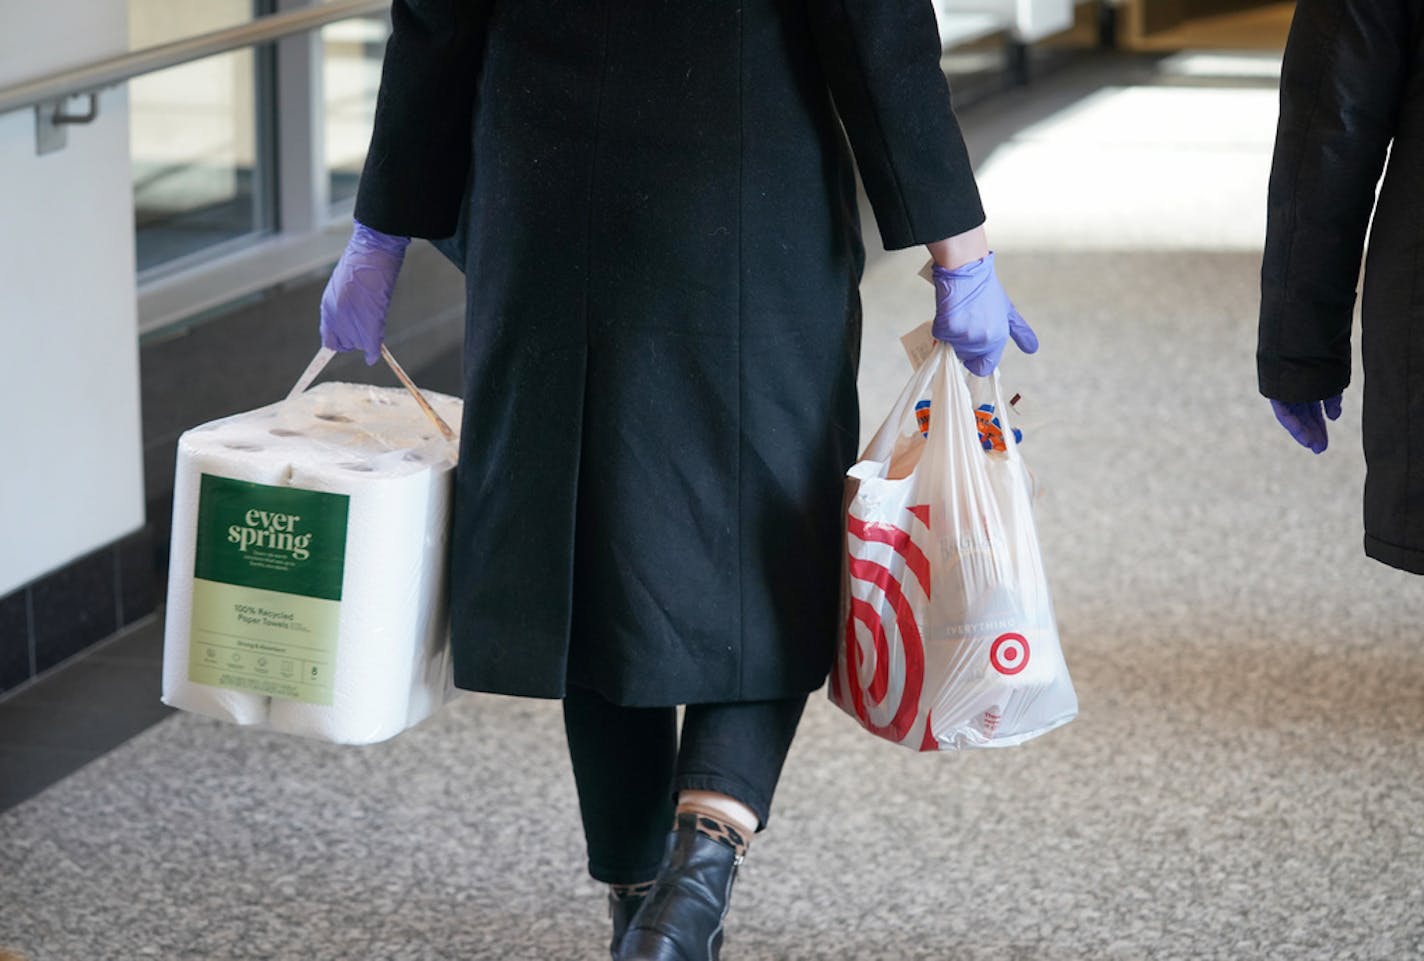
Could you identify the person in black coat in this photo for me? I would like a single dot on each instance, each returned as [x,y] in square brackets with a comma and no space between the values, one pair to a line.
[655,208]
[1352,85]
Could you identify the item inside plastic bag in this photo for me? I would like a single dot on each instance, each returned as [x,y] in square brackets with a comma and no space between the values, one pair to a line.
[990,429]
[950,640]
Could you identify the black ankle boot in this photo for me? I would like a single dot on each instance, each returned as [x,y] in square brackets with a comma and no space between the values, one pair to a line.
[621,909]
[681,918]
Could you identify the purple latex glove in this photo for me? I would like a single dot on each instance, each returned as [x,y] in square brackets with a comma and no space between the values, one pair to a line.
[353,308]
[1306,422]
[974,315]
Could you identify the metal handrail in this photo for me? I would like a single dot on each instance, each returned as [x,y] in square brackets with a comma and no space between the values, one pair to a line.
[116,70]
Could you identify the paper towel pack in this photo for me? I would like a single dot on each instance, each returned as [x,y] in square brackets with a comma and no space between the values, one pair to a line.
[370,453]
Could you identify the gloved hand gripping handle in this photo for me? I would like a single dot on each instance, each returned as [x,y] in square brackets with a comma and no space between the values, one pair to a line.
[358,295]
[974,315]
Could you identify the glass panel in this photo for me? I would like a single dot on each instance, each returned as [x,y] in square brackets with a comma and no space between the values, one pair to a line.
[197,137]
[351,65]
[195,148]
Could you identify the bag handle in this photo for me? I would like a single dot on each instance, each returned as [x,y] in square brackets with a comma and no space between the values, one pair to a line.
[939,362]
[1002,411]
[882,445]
[404,378]
[323,357]
[959,467]
[318,363]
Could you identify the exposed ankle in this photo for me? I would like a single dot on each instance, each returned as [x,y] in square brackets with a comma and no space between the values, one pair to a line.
[717,826]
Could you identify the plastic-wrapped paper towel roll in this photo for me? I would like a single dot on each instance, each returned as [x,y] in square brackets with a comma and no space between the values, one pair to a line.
[391,508]
[206,451]
[308,577]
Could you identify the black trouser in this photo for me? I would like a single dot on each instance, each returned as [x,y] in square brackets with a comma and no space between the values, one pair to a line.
[628,767]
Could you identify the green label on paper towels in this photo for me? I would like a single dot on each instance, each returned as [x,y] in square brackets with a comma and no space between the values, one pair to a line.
[267,588]
[276,538]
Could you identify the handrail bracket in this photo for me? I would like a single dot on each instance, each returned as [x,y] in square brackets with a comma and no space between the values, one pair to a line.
[53,120]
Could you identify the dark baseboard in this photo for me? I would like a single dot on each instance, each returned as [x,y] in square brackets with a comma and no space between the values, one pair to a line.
[54,617]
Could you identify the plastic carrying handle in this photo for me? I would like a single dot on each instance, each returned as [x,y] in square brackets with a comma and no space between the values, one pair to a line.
[959,468]
[941,359]
[424,404]
[326,353]
[1003,412]
[882,445]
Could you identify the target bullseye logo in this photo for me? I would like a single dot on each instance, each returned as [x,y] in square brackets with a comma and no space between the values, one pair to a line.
[1009,653]
[880,671]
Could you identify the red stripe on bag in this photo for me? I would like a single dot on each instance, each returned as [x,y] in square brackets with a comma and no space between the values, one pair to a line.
[865,612]
[929,742]
[899,540]
[922,511]
[910,641]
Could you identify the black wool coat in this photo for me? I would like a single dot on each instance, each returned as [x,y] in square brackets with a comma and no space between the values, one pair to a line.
[1353,82]
[657,213]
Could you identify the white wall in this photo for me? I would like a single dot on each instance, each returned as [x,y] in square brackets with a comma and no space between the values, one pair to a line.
[71,475]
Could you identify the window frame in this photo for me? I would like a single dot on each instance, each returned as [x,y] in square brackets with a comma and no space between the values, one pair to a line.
[307,231]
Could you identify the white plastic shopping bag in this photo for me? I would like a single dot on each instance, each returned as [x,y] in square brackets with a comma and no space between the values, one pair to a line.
[950,640]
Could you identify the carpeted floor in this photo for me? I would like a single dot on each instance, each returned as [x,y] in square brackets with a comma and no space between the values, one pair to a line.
[1245,781]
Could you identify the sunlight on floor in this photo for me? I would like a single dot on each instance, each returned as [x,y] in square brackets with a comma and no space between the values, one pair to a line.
[1161,166]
